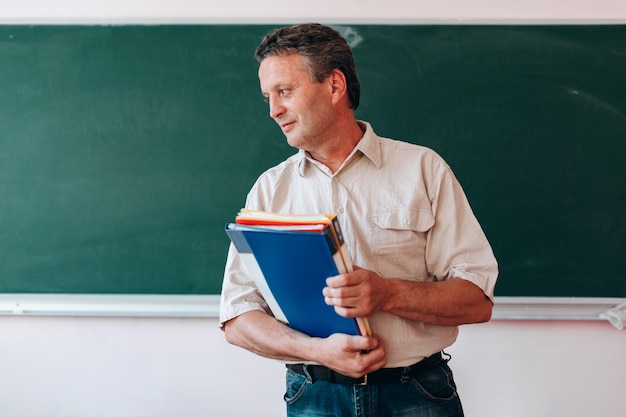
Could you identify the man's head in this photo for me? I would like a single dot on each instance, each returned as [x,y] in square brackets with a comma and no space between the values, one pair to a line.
[323,50]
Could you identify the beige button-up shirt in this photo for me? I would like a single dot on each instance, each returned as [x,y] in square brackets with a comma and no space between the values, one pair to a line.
[403,215]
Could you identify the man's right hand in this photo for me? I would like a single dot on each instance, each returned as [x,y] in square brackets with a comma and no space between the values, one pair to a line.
[353,356]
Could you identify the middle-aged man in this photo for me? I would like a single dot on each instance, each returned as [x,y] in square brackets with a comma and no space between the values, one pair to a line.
[424,263]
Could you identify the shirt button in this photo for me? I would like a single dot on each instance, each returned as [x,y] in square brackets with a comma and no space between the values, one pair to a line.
[340,210]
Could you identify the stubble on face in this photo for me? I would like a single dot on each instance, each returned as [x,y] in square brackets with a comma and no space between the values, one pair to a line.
[301,107]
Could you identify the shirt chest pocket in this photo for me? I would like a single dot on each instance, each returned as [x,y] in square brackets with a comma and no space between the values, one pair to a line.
[400,233]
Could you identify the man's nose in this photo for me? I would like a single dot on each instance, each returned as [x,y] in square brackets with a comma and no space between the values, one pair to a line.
[276,107]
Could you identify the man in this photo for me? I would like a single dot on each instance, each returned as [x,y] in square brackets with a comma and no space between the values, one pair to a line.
[424,265]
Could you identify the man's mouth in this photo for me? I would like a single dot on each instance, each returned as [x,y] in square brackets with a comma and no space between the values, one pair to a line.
[286,126]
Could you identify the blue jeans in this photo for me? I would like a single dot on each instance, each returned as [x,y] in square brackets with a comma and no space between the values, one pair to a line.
[431,394]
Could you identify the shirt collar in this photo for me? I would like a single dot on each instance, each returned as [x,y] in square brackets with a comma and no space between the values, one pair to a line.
[369,145]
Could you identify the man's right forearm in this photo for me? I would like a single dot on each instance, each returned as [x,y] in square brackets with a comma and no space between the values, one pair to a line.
[264,335]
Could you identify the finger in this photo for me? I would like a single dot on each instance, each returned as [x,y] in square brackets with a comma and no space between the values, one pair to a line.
[374,342]
[343,300]
[349,312]
[362,344]
[337,281]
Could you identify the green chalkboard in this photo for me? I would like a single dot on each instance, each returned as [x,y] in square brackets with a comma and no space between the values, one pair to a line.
[125,149]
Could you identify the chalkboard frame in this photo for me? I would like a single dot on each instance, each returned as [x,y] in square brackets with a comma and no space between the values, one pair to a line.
[471,178]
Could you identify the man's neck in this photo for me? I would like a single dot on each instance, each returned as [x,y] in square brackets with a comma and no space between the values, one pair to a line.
[338,149]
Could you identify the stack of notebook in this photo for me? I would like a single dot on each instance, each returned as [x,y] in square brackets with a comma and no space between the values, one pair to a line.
[290,257]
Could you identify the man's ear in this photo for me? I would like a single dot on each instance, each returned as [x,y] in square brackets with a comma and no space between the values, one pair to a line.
[338,85]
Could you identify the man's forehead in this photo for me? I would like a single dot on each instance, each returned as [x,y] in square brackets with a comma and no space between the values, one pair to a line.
[277,67]
[282,63]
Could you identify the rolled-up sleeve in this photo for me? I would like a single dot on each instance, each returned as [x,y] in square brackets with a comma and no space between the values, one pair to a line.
[457,246]
[239,292]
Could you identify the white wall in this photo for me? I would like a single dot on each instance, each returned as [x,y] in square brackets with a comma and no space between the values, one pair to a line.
[144,367]
[134,367]
[33,11]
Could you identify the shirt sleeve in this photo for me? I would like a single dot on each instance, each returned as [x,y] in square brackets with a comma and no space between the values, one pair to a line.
[239,292]
[457,246]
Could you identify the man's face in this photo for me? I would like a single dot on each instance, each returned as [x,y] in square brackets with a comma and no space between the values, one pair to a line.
[302,108]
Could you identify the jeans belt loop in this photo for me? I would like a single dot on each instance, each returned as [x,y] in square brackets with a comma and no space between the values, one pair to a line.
[305,369]
[405,376]
[364,382]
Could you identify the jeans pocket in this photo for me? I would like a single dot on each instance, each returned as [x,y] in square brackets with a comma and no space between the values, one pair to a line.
[295,386]
[437,384]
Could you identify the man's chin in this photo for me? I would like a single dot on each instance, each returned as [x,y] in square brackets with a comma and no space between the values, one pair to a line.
[294,141]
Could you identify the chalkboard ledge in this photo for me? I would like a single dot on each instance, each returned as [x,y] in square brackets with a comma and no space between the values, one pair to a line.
[553,308]
[128,305]
[117,305]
